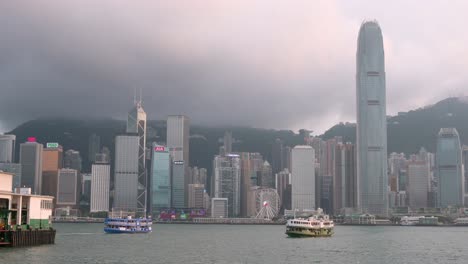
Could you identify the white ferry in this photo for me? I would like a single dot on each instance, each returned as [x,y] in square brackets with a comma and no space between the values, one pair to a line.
[462,221]
[128,225]
[317,225]
[410,220]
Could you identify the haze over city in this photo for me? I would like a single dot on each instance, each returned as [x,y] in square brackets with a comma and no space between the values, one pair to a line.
[263,64]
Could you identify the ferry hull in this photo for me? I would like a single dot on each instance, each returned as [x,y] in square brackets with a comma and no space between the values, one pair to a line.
[119,231]
[309,233]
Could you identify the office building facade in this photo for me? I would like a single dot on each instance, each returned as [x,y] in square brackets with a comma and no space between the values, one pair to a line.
[126,172]
[303,178]
[100,188]
[227,181]
[160,177]
[449,172]
[31,165]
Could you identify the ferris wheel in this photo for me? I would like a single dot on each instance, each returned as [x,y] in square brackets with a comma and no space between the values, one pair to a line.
[267,203]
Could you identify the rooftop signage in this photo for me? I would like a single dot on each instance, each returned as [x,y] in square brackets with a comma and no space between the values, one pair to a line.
[160,149]
[52,145]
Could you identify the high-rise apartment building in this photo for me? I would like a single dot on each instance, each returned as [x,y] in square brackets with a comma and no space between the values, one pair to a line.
[72,160]
[303,178]
[31,165]
[100,187]
[126,172]
[7,148]
[160,175]
[227,181]
[371,133]
[449,169]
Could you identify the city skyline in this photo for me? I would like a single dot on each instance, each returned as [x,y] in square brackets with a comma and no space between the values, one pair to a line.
[299,65]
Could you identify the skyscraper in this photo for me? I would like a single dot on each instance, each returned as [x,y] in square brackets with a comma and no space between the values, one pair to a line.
[196,194]
[277,156]
[449,169]
[371,134]
[228,142]
[31,165]
[160,178]
[178,132]
[178,190]
[303,178]
[67,189]
[418,183]
[7,148]
[52,160]
[344,178]
[126,172]
[178,129]
[94,146]
[136,124]
[72,160]
[266,176]
[100,187]
[283,179]
[227,181]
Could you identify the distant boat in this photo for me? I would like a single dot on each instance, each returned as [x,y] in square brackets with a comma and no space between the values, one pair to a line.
[130,225]
[317,225]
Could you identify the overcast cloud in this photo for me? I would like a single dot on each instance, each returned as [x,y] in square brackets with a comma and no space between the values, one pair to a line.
[265,63]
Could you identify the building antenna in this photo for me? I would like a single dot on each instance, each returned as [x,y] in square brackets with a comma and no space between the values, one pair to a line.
[139,101]
[134,96]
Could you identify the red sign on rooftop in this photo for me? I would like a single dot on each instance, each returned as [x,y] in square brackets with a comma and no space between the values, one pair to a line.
[31,139]
[159,149]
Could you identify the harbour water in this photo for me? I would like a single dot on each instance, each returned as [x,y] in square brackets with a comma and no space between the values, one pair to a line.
[87,243]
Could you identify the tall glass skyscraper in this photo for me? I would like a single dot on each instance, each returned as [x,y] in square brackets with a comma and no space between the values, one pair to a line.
[136,124]
[160,178]
[227,181]
[371,134]
[449,169]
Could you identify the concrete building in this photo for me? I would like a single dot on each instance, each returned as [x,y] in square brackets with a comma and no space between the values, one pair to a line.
[13,169]
[100,188]
[418,183]
[52,160]
[7,148]
[160,177]
[37,209]
[371,133]
[449,169]
[126,172]
[196,197]
[303,178]
[31,165]
[219,207]
[67,188]
[227,181]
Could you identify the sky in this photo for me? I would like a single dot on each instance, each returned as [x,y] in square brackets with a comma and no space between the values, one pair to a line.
[282,64]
